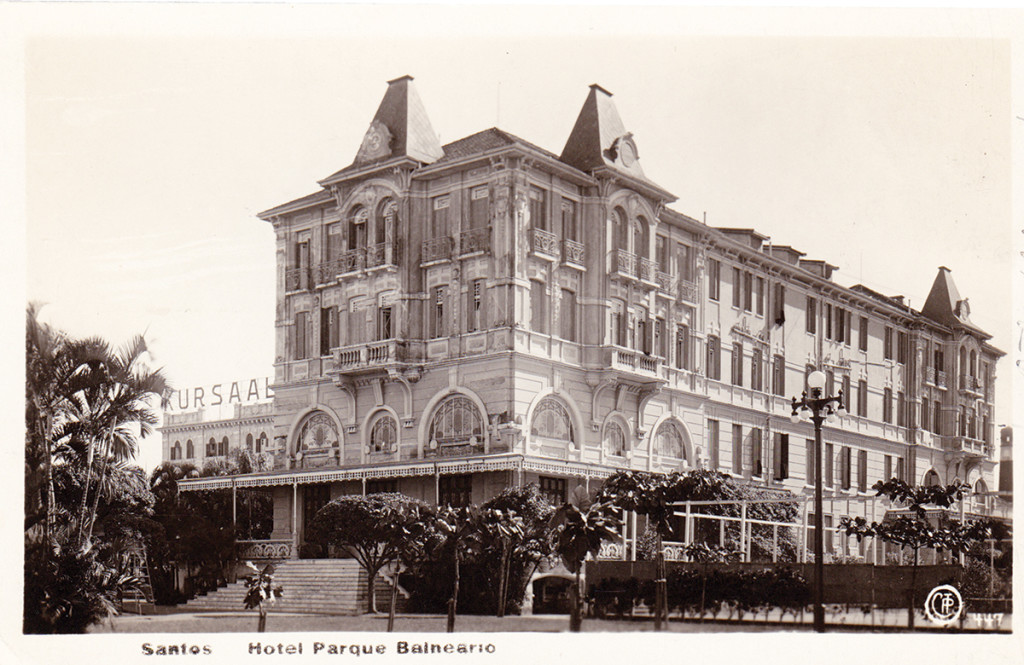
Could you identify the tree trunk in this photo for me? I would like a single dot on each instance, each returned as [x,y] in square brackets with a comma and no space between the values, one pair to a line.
[575,611]
[262,625]
[913,589]
[503,581]
[372,590]
[660,600]
[394,600]
[51,495]
[454,600]
[104,468]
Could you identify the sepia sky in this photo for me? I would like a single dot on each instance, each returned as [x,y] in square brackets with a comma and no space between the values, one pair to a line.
[150,147]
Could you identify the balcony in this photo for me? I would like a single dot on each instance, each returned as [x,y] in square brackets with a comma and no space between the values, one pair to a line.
[970,384]
[941,380]
[648,272]
[666,285]
[633,366]
[545,245]
[624,264]
[297,279]
[573,253]
[929,376]
[382,255]
[688,291]
[968,445]
[435,250]
[475,241]
[368,356]
[353,260]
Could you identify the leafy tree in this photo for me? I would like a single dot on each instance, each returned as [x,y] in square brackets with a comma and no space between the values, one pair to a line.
[576,534]
[915,530]
[373,528]
[261,591]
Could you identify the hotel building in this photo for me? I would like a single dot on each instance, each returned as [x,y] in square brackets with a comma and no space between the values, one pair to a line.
[454,319]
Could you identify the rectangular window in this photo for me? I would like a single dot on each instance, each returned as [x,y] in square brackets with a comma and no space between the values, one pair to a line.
[937,417]
[714,279]
[844,466]
[887,405]
[302,263]
[780,304]
[756,370]
[737,449]
[887,344]
[301,322]
[887,468]
[901,409]
[849,328]
[538,209]
[438,326]
[862,399]
[830,382]
[828,320]
[779,376]
[439,218]
[759,296]
[826,527]
[553,489]
[846,392]
[475,306]
[903,348]
[661,341]
[385,324]
[780,456]
[841,324]
[332,242]
[812,315]
[328,330]
[809,443]
[863,337]
[479,208]
[900,470]
[714,361]
[683,347]
[661,253]
[829,464]
[569,220]
[538,307]
[455,491]
[713,443]
[862,470]
[748,292]
[737,287]
[567,315]
[737,363]
[756,455]
[684,255]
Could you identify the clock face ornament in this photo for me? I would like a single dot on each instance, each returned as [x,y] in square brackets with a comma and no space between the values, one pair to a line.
[376,142]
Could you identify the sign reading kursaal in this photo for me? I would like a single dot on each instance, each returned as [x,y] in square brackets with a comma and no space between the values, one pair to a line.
[237,392]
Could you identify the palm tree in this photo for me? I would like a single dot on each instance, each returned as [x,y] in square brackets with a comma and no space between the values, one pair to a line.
[54,380]
[122,387]
[578,533]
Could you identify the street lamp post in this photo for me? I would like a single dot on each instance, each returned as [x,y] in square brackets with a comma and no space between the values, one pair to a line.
[818,408]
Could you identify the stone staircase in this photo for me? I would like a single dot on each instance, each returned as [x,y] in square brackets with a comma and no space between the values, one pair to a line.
[311,586]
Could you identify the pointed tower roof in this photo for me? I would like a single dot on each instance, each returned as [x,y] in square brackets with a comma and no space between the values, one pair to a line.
[945,305]
[599,139]
[400,127]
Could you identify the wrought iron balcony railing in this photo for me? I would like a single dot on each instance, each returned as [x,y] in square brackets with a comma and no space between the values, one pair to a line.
[296,279]
[573,253]
[688,290]
[624,263]
[545,244]
[648,270]
[436,249]
[475,240]
[666,284]
[382,254]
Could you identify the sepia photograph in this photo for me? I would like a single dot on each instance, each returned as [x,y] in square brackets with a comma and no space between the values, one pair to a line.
[417,330]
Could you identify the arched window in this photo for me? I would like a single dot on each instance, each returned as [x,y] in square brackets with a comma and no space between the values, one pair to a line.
[614,439]
[641,239]
[456,421]
[384,435]
[223,447]
[249,443]
[931,478]
[551,420]
[318,433]
[668,441]
[176,450]
[385,229]
[973,368]
[357,222]
[261,443]
[211,447]
[190,449]
[963,361]
[621,229]
[980,498]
